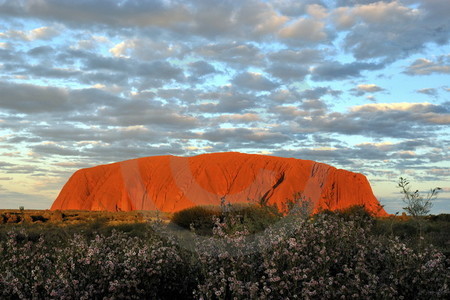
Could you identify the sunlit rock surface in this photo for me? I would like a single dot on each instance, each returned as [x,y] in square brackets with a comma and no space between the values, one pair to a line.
[170,183]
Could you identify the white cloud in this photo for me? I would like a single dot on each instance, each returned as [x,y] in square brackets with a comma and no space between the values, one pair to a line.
[371,88]
[146,49]
[120,49]
[362,89]
[304,31]
[92,43]
[404,106]
[317,11]
[41,33]
[423,66]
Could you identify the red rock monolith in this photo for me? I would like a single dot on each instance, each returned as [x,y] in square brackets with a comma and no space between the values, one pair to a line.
[171,183]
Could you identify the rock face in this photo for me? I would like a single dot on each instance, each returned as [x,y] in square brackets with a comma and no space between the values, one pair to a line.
[170,183]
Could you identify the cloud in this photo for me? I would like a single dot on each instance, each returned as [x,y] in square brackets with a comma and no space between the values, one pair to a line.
[396,120]
[288,72]
[236,54]
[142,112]
[41,51]
[54,149]
[318,92]
[243,136]
[92,42]
[201,68]
[422,113]
[428,91]
[27,98]
[238,118]
[226,100]
[5,164]
[200,18]
[303,56]
[5,45]
[126,13]
[138,48]
[362,89]
[370,88]
[304,31]
[424,66]
[402,29]
[334,70]
[31,99]
[253,81]
[41,33]
[89,82]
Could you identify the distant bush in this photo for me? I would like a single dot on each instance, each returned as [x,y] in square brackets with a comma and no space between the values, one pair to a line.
[201,218]
[356,212]
[435,230]
[439,218]
[254,218]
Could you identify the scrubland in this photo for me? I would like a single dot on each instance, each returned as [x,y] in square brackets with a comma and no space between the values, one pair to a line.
[222,253]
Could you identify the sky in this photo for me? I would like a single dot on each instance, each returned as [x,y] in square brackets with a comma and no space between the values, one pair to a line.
[361,85]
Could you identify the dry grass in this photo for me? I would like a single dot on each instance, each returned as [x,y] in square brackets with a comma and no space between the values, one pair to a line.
[71,217]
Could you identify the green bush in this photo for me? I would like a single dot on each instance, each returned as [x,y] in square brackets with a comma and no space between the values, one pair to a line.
[357,213]
[253,218]
[201,218]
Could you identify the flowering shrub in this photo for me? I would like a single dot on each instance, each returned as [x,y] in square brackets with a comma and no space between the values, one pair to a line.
[107,267]
[323,257]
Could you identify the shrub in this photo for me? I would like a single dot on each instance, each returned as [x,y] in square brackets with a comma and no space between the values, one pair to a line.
[326,257]
[253,218]
[106,267]
[201,218]
[416,204]
[358,213]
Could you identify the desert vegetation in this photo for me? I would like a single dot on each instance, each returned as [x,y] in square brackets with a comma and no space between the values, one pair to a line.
[244,252]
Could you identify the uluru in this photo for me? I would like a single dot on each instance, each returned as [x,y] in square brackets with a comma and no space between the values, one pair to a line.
[170,183]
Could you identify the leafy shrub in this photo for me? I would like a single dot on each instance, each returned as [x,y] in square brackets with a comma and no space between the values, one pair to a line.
[359,211]
[440,218]
[201,218]
[253,218]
